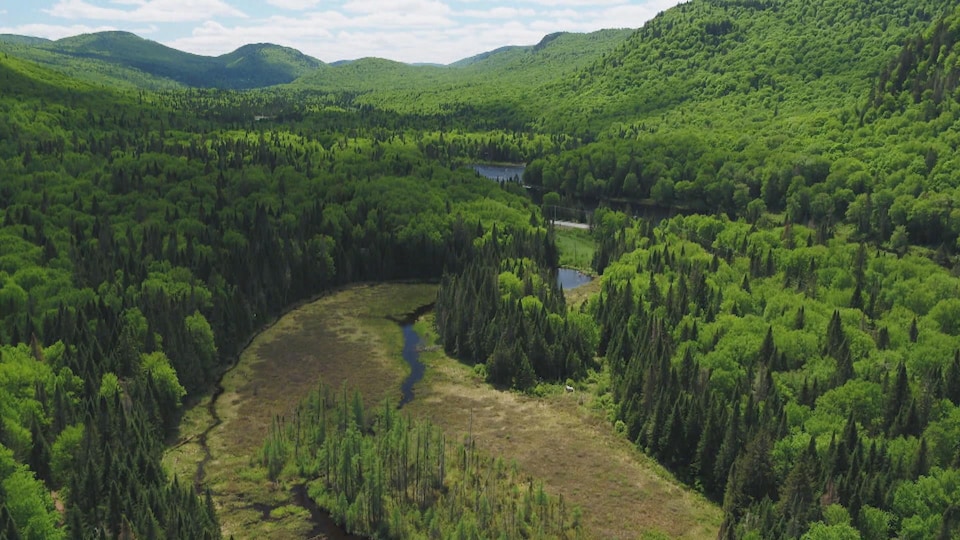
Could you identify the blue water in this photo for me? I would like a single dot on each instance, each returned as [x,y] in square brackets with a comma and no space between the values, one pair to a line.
[411,355]
[568,278]
[507,173]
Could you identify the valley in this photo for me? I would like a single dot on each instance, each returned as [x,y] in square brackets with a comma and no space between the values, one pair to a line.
[256,294]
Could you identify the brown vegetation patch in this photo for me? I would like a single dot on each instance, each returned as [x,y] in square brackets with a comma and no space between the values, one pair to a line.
[346,338]
[341,339]
[564,443]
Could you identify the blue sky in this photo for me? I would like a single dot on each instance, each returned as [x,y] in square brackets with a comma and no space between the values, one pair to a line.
[439,31]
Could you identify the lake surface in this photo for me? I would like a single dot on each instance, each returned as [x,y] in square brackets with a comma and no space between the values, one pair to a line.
[507,173]
[568,278]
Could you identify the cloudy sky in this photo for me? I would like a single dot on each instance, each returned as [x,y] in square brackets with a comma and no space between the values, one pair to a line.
[439,31]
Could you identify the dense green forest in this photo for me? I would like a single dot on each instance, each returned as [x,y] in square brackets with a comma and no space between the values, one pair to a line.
[796,379]
[141,249]
[505,313]
[788,346]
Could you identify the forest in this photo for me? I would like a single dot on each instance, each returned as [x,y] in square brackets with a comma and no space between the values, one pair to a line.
[786,342]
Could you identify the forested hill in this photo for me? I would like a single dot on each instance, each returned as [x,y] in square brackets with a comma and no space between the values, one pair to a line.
[813,138]
[131,60]
[734,63]
[793,54]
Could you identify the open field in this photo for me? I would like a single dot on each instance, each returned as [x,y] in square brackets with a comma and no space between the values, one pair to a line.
[346,338]
[563,441]
[576,247]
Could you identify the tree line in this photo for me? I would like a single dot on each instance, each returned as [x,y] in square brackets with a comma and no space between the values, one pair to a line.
[505,313]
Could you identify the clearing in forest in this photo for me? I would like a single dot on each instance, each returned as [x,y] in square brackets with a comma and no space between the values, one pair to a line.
[349,338]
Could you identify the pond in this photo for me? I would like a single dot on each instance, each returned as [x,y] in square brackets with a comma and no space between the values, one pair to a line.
[506,173]
[568,278]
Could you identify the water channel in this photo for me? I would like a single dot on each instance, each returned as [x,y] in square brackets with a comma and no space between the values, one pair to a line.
[412,345]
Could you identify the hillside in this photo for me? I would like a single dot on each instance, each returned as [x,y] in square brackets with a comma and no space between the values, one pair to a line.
[131,61]
[800,132]
[701,55]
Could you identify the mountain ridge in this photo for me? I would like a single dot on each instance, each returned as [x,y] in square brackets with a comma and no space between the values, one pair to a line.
[127,59]
[122,58]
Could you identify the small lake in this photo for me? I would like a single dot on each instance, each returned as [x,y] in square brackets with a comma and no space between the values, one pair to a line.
[568,278]
[506,173]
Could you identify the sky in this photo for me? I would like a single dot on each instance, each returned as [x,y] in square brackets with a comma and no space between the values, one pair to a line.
[428,31]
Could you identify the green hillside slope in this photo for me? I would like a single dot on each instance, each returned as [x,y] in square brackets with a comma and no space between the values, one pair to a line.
[706,53]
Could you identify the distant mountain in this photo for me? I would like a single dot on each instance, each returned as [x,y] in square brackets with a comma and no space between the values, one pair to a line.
[563,50]
[265,64]
[497,85]
[130,60]
[485,55]
[123,59]
[22,40]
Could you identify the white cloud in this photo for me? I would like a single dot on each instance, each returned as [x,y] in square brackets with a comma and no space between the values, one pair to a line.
[584,3]
[620,15]
[331,36]
[294,5]
[52,31]
[418,8]
[152,11]
[501,12]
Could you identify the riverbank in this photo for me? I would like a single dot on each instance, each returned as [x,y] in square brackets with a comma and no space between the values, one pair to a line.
[347,336]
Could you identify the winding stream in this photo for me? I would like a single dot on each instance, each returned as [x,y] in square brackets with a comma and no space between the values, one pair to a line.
[411,352]
[322,525]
